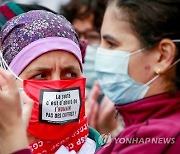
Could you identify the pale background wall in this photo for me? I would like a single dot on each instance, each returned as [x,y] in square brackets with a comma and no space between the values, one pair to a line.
[52,4]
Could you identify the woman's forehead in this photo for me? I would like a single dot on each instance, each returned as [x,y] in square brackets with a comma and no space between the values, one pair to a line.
[54,57]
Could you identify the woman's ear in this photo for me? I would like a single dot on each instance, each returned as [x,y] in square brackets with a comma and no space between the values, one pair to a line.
[167,54]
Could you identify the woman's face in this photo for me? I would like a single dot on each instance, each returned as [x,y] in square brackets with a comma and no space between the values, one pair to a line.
[54,65]
[85,28]
[117,34]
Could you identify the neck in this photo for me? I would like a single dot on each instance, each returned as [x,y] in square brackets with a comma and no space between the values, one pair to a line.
[161,85]
[155,107]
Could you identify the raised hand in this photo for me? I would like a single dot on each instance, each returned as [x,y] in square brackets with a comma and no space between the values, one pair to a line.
[92,106]
[12,128]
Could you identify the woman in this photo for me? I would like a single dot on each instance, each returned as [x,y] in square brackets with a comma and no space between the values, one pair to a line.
[42,51]
[82,14]
[138,69]
[140,44]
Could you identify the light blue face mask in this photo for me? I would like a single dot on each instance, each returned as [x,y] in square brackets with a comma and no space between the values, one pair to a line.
[89,65]
[112,71]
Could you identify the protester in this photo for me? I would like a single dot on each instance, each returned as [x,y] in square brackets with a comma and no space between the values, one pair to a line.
[87,16]
[138,69]
[138,65]
[83,15]
[42,51]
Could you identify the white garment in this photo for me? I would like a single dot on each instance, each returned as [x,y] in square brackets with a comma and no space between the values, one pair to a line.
[88,147]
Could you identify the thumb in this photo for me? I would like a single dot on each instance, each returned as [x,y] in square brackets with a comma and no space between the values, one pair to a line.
[27,108]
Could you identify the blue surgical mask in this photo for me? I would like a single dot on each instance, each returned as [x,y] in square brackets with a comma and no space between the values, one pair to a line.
[112,72]
[89,65]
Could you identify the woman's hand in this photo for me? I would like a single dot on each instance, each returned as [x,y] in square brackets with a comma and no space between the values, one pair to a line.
[101,116]
[12,128]
[92,106]
[107,113]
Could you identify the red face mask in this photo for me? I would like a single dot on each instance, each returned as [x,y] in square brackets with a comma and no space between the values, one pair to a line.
[58,117]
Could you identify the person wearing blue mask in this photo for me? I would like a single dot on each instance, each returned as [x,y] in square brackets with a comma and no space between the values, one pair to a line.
[138,69]
[138,65]
[83,15]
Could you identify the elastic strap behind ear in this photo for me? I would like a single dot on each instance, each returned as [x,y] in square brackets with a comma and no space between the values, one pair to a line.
[4,65]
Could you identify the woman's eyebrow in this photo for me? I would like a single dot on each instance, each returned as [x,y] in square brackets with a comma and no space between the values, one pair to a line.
[109,38]
[41,69]
[38,69]
[71,67]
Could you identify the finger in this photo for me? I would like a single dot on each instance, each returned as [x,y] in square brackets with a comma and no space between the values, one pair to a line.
[106,106]
[87,107]
[94,116]
[27,108]
[7,81]
[3,82]
[94,93]
[106,102]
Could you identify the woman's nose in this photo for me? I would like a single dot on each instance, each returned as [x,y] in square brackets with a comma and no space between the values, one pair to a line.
[82,37]
[56,76]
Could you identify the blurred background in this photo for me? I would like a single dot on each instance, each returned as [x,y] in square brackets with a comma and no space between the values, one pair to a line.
[51,4]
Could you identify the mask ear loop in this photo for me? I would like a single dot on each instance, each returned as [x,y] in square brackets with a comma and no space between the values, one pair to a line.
[157,76]
[152,80]
[1,61]
[148,83]
[6,67]
[138,51]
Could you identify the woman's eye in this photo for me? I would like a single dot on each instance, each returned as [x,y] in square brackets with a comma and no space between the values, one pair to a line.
[41,76]
[71,75]
[111,45]
[68,75]
[108,43]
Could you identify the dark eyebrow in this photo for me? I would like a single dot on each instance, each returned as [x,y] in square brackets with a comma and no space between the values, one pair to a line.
[41,69]
[71,67]
[109,38]
[38,69]
[88,30]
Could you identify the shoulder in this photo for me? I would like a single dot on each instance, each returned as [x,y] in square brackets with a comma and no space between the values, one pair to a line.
[23,151]
[94,135]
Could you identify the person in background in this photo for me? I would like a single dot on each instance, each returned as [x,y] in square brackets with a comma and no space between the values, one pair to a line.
[83,15]
[138,68]
[86,17]
[42,51]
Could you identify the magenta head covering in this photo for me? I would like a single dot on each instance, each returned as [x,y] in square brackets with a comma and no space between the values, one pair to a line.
[31,34]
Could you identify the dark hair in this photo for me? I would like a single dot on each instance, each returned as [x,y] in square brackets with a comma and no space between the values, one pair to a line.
[72,10]
[153,20]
